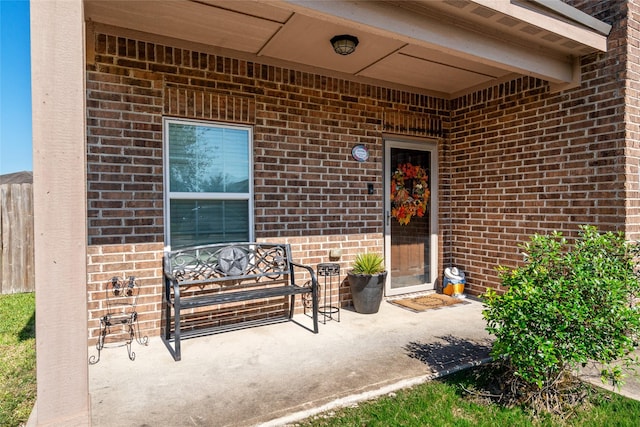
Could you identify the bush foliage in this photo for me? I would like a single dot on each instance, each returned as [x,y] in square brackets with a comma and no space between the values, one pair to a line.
[566,306]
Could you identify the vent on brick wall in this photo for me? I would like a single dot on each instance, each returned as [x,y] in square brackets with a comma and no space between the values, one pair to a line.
[412,124]
[196,103]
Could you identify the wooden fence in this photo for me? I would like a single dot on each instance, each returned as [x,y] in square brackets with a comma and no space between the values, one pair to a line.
[16,238]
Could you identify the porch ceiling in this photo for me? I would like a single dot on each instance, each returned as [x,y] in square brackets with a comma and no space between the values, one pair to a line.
[445,48]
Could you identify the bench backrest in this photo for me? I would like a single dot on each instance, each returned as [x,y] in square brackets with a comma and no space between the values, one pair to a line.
[228,263]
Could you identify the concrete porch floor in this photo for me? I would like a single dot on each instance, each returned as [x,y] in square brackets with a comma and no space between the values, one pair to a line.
[277,374]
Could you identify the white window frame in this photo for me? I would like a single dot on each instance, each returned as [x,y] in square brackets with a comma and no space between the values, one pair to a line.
[170,195]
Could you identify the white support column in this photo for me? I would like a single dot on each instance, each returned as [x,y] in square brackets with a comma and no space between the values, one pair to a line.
[60,212]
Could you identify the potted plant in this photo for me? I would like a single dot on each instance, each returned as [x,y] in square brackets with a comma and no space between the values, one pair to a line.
[366,280]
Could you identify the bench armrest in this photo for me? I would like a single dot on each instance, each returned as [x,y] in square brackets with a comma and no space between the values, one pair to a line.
[170,282]
[166,267]
[314,280]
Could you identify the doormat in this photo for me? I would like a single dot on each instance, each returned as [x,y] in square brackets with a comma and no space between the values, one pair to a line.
[427,302]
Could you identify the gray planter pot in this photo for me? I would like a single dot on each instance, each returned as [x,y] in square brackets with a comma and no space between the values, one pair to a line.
[366,291]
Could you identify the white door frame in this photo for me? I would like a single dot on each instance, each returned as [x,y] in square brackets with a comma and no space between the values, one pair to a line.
[431,146]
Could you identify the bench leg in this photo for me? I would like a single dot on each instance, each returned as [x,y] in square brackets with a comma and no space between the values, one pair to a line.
[314,297]
[176,334]
[292,306]
[167,321]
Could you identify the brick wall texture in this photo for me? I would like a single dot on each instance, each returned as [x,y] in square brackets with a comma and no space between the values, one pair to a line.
[514,159]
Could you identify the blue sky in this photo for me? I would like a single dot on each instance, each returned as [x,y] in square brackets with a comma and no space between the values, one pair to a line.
[15,87]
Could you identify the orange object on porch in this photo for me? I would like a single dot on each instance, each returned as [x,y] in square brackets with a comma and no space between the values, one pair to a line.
[454,281]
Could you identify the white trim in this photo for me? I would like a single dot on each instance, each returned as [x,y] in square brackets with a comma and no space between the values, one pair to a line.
[209,196]
[168,195]
[575,15]
[427,145]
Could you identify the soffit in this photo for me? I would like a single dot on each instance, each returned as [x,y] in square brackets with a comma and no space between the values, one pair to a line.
[446,47]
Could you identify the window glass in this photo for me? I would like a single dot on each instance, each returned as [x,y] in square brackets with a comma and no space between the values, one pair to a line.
[199,222]
[207,183]
[208,159]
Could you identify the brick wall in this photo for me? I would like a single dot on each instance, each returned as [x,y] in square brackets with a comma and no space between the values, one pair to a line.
[525,160]
[304,128]
[632,120]
[623,50]
[309,191]
[144,261]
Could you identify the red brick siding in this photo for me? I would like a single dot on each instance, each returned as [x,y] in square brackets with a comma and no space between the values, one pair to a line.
[144,261]
[305,125]
[525,160]
[632,120]
[203,104]
[124,156]
[308,189]
[623,49]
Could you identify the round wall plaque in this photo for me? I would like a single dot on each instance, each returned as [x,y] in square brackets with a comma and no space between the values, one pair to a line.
[360,153]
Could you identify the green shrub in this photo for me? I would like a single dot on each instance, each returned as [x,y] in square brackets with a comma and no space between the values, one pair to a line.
[566,306]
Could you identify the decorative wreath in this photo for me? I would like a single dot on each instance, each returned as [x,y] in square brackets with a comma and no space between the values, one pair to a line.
[409,193]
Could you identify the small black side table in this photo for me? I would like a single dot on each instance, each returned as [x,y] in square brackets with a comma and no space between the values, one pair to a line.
[328,273]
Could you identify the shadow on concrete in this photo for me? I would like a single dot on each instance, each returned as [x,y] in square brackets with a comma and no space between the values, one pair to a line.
[449,351]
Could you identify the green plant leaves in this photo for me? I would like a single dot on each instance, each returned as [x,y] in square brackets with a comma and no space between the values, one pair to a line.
[368,263]
[566,305]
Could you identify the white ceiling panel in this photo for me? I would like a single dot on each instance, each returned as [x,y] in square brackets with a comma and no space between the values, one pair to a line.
[187,21]
[440,57]
[416,72]
[307,41]
[252,8]
[444,47]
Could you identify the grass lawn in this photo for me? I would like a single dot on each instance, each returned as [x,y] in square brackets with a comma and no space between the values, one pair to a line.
[444,403]
[17,358]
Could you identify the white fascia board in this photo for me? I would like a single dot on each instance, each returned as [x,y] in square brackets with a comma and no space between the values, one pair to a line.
[575,15]
[584,36]
[386,20]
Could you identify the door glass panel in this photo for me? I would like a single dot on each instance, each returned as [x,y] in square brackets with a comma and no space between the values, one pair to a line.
[410,199]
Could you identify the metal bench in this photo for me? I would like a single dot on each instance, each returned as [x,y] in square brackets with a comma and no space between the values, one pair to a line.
[211,275]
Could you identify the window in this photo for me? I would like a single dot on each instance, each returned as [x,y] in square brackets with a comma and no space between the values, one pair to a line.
[208,183]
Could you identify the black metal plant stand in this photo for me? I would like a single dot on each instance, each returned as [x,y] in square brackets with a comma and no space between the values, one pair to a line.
[328,273]
[121,317]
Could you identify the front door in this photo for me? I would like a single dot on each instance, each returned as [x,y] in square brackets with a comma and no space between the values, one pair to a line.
[410,215]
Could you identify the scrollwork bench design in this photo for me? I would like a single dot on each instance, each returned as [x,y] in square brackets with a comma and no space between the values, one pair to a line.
[211,275]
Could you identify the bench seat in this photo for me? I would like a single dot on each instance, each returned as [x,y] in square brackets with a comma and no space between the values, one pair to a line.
[251,294]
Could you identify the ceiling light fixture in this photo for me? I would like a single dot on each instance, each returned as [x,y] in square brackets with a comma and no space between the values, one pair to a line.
[344,44]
